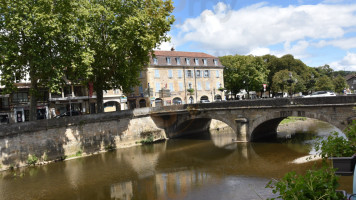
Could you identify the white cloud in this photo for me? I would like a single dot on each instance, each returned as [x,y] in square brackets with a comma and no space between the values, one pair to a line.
[344,43]
[348,63]
[255,28]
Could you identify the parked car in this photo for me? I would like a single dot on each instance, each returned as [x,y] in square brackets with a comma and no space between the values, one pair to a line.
[74,113]
[320,94]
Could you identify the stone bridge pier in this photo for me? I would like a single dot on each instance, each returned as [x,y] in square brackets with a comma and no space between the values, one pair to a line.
[254,120]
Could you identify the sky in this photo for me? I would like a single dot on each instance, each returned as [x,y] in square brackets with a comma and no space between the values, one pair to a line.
[318,32]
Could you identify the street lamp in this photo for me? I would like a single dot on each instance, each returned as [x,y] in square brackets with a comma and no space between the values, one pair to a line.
[290,81]
[191,97]
[312,82]
[246,90]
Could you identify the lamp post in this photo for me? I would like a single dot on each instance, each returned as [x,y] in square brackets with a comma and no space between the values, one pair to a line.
[190,98]
[290,81]
[246,85]
[149,95]
[312,82]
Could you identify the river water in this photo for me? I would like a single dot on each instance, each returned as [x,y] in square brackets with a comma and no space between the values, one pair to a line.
[206,166]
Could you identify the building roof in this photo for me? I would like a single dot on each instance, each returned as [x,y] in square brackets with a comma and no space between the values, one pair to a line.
[183,54]
[350,76]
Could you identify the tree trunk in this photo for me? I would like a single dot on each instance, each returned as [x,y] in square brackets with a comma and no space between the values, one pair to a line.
[99,99]
[33,99]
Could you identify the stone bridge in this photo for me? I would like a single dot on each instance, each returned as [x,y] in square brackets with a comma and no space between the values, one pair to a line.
[253,119]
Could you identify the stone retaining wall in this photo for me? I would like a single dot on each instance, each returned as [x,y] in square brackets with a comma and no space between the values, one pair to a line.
[57,139]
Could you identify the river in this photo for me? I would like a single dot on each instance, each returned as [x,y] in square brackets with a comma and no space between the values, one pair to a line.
[205,166]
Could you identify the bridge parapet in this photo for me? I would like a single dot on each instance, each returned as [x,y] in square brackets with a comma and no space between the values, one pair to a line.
[272,102]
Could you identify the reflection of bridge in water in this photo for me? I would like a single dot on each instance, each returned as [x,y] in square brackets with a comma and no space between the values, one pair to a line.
[177,170]
[254,119]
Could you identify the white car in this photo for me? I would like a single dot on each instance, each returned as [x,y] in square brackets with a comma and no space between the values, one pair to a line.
[321,94]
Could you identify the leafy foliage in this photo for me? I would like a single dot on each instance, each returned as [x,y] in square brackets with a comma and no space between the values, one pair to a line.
[190,91]
[244,72]
[339,84]
[122,34]
[314,184]
[32,159]
[338,146]
[324,83]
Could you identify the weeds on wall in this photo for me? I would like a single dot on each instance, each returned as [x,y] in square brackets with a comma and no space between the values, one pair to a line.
[32,159]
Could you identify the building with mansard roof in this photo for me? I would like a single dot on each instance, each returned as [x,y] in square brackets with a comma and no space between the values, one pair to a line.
[171,77]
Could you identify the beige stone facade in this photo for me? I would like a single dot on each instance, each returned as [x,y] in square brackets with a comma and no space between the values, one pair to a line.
[170,74]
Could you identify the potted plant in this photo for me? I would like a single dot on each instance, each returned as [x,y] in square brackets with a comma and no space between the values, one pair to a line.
[190,91]
[314,184]
[340,150]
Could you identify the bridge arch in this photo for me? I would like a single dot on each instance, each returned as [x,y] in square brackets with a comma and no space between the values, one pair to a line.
[266,125]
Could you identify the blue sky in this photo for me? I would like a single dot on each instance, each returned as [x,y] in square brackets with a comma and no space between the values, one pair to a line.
[316,31]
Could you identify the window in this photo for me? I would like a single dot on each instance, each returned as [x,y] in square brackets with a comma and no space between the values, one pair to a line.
[140,74]
[168,60]
[20,97]
[181,88]
[188,61]
[217,74]
[140,89]
[155,61]
[207,86]
[180,73]
[218,85]
[205,62]
[206,73]
[199,86]
[170,73]
[196,60]
[171,87]
[198,73]
[189,73]
[4,102]
[156,73]
[216,62]
[178,61]
[158,86]
[116,91]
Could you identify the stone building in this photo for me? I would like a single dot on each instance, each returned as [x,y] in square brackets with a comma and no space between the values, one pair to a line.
[351,82]
[171,74]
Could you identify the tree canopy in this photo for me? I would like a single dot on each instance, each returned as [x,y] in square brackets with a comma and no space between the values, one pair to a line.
[122,36]
[103,42]
[244,72]
[40,39]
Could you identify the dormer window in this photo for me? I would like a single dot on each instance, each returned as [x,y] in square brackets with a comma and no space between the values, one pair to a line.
[215,62]
[155,61]
[196,60]
[187,61]
[178,61]
[168,60]
[205,62]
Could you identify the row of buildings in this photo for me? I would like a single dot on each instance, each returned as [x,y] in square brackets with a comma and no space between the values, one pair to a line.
[165,81]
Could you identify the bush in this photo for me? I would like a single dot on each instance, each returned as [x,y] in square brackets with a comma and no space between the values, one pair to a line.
[32,159]
[338,146]
[315,184]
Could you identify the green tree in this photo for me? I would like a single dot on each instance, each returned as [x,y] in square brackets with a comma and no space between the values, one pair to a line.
[325,70]
[283,82]
[43,39]
[339,84]
[122,35]
[287,62]
[244,72]
[324,83]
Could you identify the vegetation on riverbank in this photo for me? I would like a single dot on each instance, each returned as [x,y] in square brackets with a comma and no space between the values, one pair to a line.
[293,119]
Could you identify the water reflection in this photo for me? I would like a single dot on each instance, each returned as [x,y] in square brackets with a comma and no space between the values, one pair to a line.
[210,167]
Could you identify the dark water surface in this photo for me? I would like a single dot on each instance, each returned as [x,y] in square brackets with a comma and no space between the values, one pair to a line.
[211,167]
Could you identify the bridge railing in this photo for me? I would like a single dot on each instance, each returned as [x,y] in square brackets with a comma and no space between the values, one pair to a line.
[270,102]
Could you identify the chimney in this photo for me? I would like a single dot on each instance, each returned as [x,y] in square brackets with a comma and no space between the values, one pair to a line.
[172,49]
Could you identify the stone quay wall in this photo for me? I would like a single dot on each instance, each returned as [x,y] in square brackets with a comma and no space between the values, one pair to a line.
[58,139]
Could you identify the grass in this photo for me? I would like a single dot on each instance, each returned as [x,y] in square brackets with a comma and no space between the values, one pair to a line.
[292,119]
